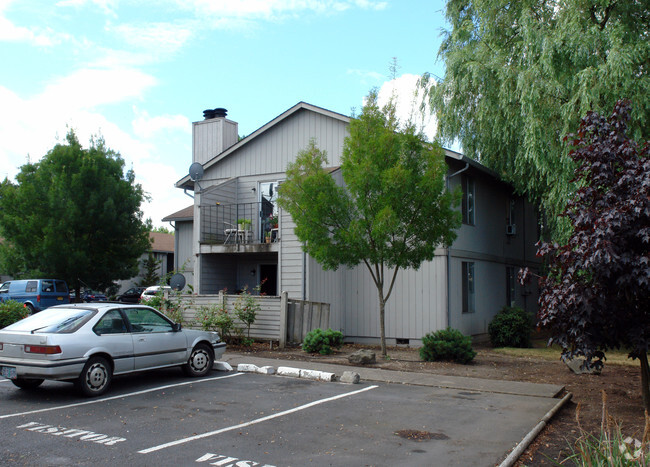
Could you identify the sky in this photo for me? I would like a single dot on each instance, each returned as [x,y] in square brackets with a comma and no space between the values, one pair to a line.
[139,72]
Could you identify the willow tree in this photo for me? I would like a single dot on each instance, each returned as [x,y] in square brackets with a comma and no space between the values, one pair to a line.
[520,75]
[391,209]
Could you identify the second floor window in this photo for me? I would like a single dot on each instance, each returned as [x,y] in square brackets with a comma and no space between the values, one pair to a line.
[468,200]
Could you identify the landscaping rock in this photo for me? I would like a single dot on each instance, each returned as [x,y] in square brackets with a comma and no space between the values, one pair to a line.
[362,357]
[575,365]
[350,377]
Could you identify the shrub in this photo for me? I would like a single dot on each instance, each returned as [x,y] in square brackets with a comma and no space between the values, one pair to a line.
[246,307]
[447,344]
[511,327]
[12,311]
[322,341]
[217,318]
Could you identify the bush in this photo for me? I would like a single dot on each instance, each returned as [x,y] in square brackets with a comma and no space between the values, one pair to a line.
[447,344]
[12,311]
[511,327]
[322,341]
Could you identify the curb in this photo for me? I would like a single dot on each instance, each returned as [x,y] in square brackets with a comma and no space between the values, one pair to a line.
[348,377]
[530,437]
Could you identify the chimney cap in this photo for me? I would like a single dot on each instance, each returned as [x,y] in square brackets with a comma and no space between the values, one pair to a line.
[219,112]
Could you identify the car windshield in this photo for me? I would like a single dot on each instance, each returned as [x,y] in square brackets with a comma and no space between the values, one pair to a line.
[53,320]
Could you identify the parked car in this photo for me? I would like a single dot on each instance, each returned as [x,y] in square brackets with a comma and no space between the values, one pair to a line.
[36,294]
[88,343]
[132,295]
[150,292]
[93,296]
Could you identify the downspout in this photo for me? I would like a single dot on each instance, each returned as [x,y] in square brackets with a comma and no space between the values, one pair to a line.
[449,252]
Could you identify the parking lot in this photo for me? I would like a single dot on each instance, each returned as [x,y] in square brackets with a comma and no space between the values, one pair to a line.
[246,419]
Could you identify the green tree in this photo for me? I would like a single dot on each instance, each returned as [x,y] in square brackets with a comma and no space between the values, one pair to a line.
[162,229]
[150,266]
[393,211]
[520,75]
[74,215]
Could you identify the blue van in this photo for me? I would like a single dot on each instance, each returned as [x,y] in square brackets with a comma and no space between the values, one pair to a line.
[36,294]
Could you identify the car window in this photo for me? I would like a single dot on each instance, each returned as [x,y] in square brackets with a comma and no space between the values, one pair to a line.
[47,286]
[31,286]
[147,320]
[53,320]
[111,323]
[61,286]
[4,288]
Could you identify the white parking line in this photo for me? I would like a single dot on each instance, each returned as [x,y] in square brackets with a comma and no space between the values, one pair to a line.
[253,422]
[137,393]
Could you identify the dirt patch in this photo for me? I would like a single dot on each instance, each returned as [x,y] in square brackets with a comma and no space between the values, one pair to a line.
[620,383]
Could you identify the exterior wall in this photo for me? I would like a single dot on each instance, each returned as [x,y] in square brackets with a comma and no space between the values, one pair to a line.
[292,261]
[184,251]
[487,245]
[272,151]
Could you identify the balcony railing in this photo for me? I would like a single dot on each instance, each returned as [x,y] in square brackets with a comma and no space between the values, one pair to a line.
[242,223]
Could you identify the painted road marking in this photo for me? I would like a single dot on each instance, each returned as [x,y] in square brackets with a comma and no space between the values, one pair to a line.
[253,422]
[84,435]
[137,393]
[220,459]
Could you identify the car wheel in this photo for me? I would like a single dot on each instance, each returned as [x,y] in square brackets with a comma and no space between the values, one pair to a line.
[27,383]
[31,308]
[95,377]
[200,362]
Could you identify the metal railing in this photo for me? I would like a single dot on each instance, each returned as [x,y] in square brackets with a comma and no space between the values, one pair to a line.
[241,223]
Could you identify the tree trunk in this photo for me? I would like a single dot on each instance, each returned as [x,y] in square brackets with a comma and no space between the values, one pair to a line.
[645,380]
[382,325]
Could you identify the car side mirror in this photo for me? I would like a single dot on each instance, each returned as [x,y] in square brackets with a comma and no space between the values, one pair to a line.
[176,327]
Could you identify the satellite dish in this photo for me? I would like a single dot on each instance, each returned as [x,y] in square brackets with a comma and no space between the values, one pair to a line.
[177,281]
[196,171]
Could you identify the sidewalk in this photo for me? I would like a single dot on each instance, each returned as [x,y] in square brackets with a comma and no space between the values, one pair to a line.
[402,377]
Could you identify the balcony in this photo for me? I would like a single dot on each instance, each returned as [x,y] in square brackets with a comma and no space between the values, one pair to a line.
[238,224]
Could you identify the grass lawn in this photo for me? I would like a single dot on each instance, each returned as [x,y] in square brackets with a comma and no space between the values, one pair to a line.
[540,350]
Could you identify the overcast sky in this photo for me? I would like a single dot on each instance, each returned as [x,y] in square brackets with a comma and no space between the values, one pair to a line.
[139,72]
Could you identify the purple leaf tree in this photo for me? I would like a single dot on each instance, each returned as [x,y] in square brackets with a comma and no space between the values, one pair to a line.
[596,294]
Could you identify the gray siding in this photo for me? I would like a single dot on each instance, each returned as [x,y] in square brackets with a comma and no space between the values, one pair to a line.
[291,261]
[271,151]
[211,137]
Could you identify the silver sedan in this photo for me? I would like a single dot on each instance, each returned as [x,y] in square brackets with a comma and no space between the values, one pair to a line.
[89,343]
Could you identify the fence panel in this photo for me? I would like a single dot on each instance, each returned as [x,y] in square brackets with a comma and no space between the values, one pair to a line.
[304,316]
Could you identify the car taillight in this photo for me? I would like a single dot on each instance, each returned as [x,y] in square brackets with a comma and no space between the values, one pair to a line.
[43,349]
[38,298]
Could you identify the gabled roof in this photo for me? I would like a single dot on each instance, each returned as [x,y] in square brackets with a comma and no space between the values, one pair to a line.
[185,214]
[162,242]
[187,183]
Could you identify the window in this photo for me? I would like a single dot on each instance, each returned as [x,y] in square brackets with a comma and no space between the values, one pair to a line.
[468,287]
[468,200]
[111,323]
[145,320]
[510,286]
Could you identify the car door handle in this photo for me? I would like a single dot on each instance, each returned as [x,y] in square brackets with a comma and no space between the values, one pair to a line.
[141,339]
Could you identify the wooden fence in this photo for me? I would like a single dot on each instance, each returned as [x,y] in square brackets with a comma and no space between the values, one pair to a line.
[280,318]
